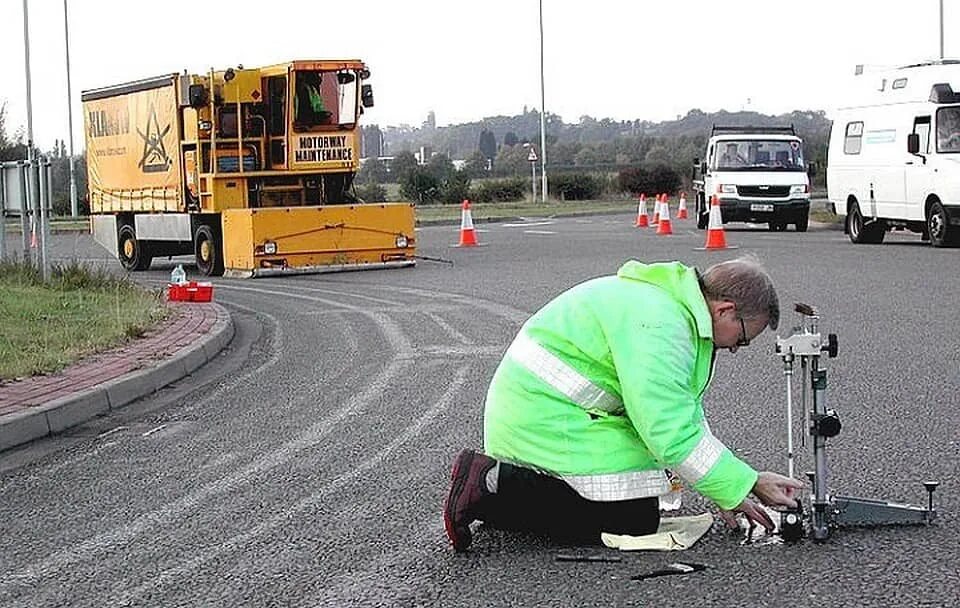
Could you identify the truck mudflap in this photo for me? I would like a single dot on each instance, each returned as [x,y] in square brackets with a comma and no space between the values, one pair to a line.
[332,238]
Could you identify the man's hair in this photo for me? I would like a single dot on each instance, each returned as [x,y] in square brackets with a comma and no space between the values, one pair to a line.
[744,282]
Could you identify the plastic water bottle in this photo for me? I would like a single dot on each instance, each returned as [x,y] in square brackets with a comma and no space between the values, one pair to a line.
[179,275]
[673,500]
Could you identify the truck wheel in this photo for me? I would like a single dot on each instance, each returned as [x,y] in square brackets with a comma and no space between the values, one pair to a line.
[939,229]
[802,222]
[703,217]
[134,254]
[859,231]
[208,251]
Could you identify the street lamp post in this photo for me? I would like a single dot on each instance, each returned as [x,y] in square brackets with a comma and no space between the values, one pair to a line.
[941,30]
[74,207]
[543,120]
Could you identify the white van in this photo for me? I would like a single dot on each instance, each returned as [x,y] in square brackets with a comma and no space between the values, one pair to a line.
[894,155]
[758,175]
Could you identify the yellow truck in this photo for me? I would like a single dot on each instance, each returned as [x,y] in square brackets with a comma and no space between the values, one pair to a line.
[249,170]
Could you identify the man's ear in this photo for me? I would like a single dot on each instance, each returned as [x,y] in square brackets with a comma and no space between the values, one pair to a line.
[724,305]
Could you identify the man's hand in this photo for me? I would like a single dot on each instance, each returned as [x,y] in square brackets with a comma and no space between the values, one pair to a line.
[776,490]
[754,513]
[772,490]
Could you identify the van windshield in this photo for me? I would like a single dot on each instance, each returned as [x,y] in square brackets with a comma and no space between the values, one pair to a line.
[759,155]
[948,129]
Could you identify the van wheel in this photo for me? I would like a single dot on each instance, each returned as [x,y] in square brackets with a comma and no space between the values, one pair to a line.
[859,231]
[939,229]
[208,251]
[803,222]
[134,254]
[703,217]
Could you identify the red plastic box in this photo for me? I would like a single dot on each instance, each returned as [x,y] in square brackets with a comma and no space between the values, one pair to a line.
[190,292]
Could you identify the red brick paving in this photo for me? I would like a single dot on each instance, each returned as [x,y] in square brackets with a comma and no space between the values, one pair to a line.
[188,323]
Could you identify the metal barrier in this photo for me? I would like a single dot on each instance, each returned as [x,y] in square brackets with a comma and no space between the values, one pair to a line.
[25,194]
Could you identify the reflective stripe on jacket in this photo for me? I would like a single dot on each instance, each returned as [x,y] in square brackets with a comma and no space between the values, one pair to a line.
[602,387]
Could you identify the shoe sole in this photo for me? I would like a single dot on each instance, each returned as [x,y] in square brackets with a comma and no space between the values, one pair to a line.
[464,460]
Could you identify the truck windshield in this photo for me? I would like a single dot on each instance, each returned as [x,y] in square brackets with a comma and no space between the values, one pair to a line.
[323,99]
[948,129]
[760,155]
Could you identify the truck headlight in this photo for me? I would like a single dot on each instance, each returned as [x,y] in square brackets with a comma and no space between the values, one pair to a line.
[727,188]
[401,241]
[799,189]
[270,248]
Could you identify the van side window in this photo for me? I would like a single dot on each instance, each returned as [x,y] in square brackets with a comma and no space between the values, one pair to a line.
[853,138]
[921,126]
[948,129]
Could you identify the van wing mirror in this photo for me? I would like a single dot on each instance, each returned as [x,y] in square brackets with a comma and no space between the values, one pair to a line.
[913,143]
[366,95]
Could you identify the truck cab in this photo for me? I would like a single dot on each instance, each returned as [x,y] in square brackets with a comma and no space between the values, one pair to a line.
[758,175]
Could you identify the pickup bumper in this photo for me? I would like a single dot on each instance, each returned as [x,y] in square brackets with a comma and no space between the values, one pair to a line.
[762,211]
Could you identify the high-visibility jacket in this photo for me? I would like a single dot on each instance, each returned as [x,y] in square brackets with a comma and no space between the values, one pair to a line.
[602,387]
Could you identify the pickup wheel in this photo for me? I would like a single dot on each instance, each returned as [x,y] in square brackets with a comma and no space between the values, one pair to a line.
[208,251]
[803,222]
[860,231]
[703,215]
[134,254]
[939,229]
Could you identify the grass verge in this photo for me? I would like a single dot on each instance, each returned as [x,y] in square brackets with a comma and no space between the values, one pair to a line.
[484,211]
[45,326]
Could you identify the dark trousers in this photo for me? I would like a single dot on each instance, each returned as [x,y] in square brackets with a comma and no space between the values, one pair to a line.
[538,503]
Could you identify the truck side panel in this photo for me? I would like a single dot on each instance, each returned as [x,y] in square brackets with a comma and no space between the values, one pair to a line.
[133,151]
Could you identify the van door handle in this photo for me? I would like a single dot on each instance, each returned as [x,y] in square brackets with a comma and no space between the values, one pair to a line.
[909,162]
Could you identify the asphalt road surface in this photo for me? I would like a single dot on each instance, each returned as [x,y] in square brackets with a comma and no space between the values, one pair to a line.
[307,465]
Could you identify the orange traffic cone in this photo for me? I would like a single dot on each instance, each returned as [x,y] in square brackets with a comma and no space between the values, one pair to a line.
[682,209]
[656,212]
[468,236]
[716,239]
[642,220]
[664,227]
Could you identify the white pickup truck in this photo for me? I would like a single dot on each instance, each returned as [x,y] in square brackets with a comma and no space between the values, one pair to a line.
[758,174]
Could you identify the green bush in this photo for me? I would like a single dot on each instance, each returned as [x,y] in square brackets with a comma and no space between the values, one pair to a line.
[576,186]
[420,186]
[651,181]
[372,193]
[455,188]
[501,190]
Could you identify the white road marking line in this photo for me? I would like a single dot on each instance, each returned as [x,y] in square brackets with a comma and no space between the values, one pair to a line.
[111,432]
[539,232]
[525,224]
[152,431]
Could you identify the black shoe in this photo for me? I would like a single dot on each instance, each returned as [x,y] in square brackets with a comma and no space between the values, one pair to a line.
[467,486]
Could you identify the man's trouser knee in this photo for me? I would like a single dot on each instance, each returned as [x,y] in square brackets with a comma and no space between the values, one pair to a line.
[532,501]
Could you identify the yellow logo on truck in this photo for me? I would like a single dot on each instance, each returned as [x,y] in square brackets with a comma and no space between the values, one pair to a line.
[323,149]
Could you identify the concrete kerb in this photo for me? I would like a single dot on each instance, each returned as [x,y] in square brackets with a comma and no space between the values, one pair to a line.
[56,416]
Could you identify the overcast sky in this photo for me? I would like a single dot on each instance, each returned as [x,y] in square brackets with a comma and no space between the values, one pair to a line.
[651,60]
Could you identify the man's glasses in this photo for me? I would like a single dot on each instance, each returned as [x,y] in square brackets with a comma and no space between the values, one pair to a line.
[742,340]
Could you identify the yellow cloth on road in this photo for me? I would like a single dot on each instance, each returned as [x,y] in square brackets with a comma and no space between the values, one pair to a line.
[674,534]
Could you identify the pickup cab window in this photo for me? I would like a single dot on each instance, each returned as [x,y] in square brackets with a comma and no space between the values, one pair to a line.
[760,155]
